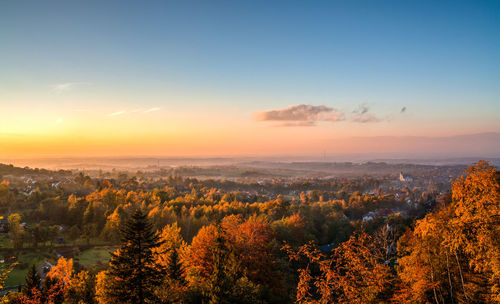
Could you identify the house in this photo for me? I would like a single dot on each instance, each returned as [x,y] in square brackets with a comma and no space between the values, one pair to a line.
[43,269]
[405,178]
[369,216]
[327,247]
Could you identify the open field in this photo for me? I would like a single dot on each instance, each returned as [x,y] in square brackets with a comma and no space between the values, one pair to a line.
[87,257]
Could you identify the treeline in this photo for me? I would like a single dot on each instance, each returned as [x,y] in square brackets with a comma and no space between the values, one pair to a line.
[12,170]
[329,215]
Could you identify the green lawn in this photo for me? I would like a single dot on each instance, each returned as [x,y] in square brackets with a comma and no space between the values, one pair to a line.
[94,256]
[17,276]
[5,242]
[87,257]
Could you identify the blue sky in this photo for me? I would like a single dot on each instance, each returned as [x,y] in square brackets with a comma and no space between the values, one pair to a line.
[440,60]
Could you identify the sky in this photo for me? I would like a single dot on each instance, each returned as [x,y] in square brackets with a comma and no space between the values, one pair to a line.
[217,78]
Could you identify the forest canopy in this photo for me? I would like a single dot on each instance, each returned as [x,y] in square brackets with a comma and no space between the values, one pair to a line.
[177,240]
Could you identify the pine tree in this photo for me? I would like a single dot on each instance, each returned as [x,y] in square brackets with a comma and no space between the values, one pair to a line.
[52,291]
[133,266]
[174,269]
[32,281]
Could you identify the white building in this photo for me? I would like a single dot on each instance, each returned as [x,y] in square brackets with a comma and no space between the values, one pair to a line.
[405,178]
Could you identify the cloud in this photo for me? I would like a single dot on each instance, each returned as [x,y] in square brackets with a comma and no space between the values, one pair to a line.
[362,109]
[364,118]
[361,115]
[403,110]
[300,115]
[116,113]
[66,87]
[136,110]
[151,110]
[297,124]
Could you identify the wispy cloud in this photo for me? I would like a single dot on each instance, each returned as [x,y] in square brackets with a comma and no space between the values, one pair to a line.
[362,109]
[66,87]
[361,115]
[297,124]
[300,115]
[364,118]
[136,110]
[151,110]
[116,113]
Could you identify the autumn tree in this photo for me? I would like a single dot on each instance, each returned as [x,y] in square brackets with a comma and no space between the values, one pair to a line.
[105,284]
[453,254]
[16,230]
[81,289]
[244,247]
[475,226]
[354,273]
[114,224]
[62,271]
[169,254]
[227,283]
[219,282]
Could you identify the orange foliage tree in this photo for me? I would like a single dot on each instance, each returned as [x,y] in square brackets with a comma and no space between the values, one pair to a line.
[354,273]
[453,254]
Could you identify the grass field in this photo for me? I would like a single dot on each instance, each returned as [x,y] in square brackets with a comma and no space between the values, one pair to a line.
[17,276]
[5,242]
[95,256]
[89,257]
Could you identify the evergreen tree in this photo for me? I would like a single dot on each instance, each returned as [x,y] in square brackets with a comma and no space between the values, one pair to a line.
[174,267]
[133,266]
[52,291]
[32,281]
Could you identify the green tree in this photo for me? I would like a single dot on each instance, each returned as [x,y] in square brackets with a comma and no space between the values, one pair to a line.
[133,266]
[32,281]
[74,233]
[174,269]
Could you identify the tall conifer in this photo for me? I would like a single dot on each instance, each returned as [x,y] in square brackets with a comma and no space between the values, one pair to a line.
[133,266]
[32,281]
